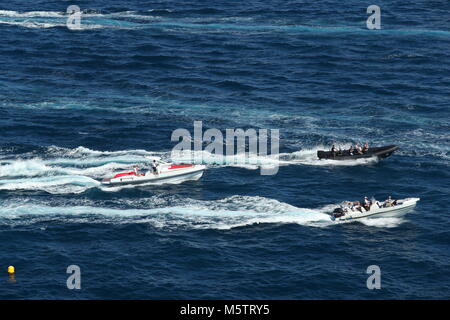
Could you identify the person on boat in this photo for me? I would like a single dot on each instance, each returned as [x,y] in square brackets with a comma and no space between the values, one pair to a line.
[356,206]
[333,150]
[358,149]
[137,172]
[346,206]
[366,147]
[351,150]
[367,203]
[391,201]
[388,202]
[155,167]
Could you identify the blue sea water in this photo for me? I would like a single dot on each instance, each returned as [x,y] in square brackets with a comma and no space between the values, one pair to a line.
[78,105]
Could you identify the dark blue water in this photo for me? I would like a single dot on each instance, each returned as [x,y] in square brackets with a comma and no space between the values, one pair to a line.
[78,105]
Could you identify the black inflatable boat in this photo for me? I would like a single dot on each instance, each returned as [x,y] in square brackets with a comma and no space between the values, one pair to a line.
[380,152]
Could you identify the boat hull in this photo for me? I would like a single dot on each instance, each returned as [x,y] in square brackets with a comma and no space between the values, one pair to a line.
[165,176]
[379,152]
[395,211]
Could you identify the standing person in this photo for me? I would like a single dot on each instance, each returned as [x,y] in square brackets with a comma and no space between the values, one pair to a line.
[333,150]
[155,167]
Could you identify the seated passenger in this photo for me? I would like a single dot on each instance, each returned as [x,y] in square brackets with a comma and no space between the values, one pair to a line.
[367,203]
[357,206]
[351,150]
[137,172]
[358,149]
[388,202]
[366,147]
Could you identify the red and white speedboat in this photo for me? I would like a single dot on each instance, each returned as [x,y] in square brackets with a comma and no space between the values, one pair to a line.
[165,173]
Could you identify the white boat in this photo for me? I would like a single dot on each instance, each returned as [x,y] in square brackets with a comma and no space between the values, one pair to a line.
[377,209]
[165,173]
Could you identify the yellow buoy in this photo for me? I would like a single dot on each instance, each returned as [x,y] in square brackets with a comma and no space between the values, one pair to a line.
[11,270]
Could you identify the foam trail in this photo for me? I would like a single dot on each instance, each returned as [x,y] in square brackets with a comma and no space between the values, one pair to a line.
[82,156]
[11,13]
[232,212]
[38,167]
[83,152]
[247,161]
[120,20]
[51,19]
[65,170]
[24,168]
[302,157]
[98,161]
[383,222]
[55,185]
[32,24]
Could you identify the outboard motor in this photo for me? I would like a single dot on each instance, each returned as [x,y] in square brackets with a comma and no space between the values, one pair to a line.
[338,212]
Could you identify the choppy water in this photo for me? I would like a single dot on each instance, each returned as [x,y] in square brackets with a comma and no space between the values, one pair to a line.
[78,105]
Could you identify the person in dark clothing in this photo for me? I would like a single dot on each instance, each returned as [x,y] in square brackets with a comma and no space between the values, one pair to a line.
[333,150]
[351,150]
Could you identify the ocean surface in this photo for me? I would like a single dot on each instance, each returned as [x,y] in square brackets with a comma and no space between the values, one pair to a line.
[78,105]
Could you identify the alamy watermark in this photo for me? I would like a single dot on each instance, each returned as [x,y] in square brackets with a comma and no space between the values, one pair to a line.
[239,146]
[74,19]
[374,280]
[374,20]
[74,280]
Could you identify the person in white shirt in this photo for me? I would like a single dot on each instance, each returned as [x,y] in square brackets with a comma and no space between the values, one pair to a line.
[389,202]
[358,149]
[155,167]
